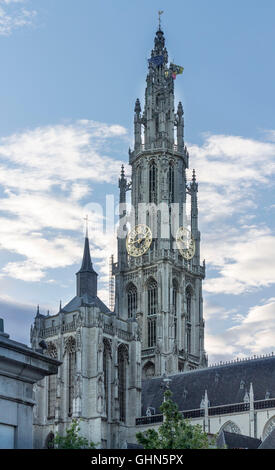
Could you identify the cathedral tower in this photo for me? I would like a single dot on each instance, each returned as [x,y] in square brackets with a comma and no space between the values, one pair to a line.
[158,273]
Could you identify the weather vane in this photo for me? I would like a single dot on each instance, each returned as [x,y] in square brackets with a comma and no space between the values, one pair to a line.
[160,13]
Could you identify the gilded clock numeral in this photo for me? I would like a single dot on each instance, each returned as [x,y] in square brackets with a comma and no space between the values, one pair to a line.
[185,243]
[139,240]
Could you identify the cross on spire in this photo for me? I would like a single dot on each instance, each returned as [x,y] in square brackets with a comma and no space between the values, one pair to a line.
[160,12]
[86,220]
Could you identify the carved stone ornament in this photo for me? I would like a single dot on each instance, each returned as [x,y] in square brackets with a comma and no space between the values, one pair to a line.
[78,386]
[78,339]
[52,350]
[100,321]
[70,345]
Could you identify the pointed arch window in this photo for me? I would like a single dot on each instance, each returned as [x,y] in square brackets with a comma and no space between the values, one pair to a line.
[51,396]
[175,296]
[70,351]
[152,332]
[189,303]
[123,356]
[132,300]
[189,339]
[52,382]
[107,373]
[152,297]
[174,303]
[171,176]
[153,182]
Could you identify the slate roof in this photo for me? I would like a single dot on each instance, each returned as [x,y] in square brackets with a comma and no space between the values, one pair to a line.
[269,442]
[85,299]
[223,384]
[237,441]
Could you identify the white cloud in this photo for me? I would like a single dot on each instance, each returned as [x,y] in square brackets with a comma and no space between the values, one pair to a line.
[254,335]
[61,154]
[14,16]
[242,259]
[213,310]
[231,173]
[45,174]
[230,170]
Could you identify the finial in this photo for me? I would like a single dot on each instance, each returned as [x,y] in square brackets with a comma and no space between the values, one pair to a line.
[122,171]
[60,306]
[37,311]
[137,107]
[160,12]
[180,109]
[48,313]
[194,176]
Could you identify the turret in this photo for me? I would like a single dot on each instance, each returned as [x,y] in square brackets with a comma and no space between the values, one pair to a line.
[180,127]
[121,239]
[86,277]
[137,125]
[195,217]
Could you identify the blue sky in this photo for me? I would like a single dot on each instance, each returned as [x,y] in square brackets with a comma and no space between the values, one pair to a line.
[71,71]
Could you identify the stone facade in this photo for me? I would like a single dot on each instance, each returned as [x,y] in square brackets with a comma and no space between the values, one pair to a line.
[20,369]
[99,379]
[172,335]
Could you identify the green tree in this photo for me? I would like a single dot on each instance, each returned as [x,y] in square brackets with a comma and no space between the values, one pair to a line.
[175,431]
[72,440]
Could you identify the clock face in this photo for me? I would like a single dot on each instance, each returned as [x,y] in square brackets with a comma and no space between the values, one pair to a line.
[185,243]
[138,240]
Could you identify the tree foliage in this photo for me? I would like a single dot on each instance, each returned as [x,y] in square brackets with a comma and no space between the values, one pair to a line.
[72,439]
[175,432]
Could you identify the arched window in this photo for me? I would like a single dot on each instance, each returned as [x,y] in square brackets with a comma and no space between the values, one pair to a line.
[153,183]
[151,332]
[132,300]
[171,176]
[152,289]
[139,182]
[107,354]
[174,304]
[230,426]
[123,357]
[189,293]
[49,443]
[52,352]
[148,370]
[269,426]
[51,396]
[175,296]
[70,350]
[189,339]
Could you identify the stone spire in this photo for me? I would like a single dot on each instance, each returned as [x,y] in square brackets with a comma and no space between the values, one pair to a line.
[121,237]
[180,127]
[86,277]
[158,117]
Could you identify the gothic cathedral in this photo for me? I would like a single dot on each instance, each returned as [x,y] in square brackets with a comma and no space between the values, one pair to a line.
[160,286]
[157,325]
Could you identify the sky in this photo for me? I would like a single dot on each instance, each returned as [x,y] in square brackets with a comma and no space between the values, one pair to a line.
[71,71]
